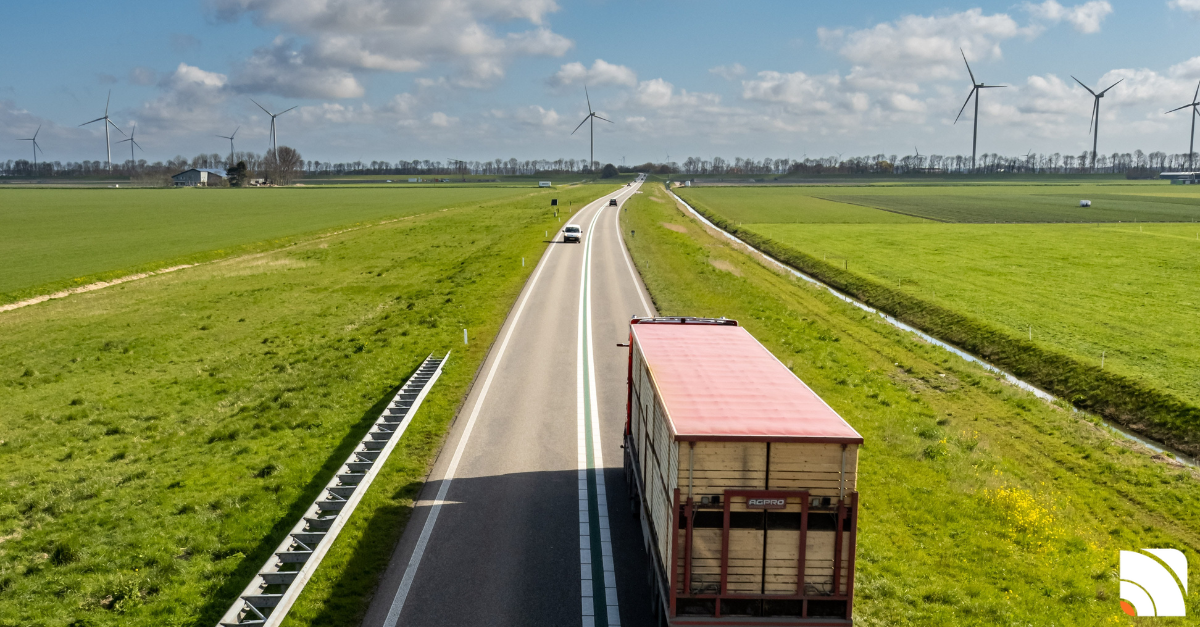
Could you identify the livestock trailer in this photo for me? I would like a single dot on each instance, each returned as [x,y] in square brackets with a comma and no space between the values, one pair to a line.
[743,478]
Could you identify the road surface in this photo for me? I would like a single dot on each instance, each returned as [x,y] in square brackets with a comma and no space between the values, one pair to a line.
[515,526]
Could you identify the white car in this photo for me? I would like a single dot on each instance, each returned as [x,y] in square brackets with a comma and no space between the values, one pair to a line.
[572,233]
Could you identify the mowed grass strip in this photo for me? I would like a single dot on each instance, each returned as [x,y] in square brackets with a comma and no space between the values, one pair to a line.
[60,238]
[159,438]
[981,505]
[1129,293]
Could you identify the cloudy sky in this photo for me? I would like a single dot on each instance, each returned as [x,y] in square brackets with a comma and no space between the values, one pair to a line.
[480,79]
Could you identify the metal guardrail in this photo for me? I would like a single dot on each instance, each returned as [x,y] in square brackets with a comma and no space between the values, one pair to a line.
[278,584]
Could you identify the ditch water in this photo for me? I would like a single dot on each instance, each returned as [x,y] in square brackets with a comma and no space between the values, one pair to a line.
[1152,445]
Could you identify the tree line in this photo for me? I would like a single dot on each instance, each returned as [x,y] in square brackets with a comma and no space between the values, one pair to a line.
[290,165]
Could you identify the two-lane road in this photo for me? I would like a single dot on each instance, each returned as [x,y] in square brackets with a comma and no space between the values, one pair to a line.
[515,525]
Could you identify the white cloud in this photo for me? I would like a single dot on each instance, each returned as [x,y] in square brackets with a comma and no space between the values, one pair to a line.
[343,37]
[1187,6]
[283,70]
[728,72]
[1086,17]
[441,120]
[919,47]
[658,93]
[601,73]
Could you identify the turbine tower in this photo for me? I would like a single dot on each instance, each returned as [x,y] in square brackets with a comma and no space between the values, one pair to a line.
[107,122]
[36,147]
[592,117]
[975,87]
[1095,119]
[1192,141]
[132,143]
[274,146]
[230,138]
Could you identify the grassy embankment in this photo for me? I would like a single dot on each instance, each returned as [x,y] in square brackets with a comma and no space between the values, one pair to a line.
[1121,291]
[980,504]
[160,437]
[60,238]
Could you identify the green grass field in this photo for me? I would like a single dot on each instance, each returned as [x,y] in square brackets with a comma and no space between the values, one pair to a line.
[1130,292]
[60,238]
[1118,293]
[980,504]
[160,437]
[986,203]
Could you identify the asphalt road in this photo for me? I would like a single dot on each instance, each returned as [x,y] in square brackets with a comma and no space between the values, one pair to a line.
[515,526]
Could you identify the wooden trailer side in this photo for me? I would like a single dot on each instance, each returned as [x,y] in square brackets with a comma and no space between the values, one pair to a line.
[658,456]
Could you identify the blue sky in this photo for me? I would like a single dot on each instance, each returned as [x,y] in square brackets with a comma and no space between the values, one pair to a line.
[476,79]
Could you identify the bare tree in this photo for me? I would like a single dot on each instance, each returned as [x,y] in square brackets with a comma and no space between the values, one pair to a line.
[283,165]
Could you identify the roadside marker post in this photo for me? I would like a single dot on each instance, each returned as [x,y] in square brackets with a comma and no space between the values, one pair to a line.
[464,336]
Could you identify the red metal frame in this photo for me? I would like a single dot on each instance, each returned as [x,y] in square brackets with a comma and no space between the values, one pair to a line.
[671,557]
[847,509]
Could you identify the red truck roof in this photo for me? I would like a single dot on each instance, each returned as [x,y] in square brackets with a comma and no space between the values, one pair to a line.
[719,383]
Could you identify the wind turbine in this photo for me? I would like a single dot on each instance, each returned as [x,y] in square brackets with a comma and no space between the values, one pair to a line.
[591,116]
[107,122]
[132,143]
[36,147]
[1192,142]
[230,138]
[975,87]
[1095,114]
[274,146]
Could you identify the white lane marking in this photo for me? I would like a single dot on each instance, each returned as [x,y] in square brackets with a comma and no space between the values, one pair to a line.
[588,585]
[629,262]
[410,572]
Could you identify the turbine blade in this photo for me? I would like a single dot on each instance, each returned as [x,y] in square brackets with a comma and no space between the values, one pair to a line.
[606,120]
[1171,111]
[964,56]
[261,107]
[1084,86]
[1111,86]
[582,123]
[284,111]
[116,127]
[106,103]
[1092,117]
[992,86]
[965,103]
[138,145]
[589,98]
[1197,94]
[235,132]
[98,119]
[39,129]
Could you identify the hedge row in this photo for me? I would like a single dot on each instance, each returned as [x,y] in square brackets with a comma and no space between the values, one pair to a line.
[1123,400]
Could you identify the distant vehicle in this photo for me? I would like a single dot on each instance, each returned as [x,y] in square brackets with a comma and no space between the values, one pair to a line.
[572,233]
[744,480]
[543,183]
[612,202]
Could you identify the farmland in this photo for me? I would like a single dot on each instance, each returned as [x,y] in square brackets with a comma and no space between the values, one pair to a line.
[157,436]
[980,504]
[988,203]
[58,238]
[1119,292]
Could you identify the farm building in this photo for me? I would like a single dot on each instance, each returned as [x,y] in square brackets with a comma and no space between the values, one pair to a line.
[198,177]
[1181,178]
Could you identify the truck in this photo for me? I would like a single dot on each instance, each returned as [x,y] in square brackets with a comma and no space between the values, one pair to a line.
[744,480]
